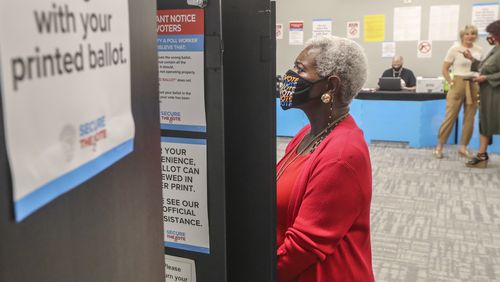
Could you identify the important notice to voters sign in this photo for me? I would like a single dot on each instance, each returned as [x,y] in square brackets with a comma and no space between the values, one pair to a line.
[181,69]
[65,78]
[184,181]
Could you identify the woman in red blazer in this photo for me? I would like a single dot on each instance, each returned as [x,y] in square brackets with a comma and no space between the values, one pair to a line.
[324,180]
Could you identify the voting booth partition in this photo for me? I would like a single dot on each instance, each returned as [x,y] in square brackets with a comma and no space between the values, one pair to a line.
[108,228]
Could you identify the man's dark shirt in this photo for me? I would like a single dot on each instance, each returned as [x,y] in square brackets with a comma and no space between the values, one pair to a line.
[406,75]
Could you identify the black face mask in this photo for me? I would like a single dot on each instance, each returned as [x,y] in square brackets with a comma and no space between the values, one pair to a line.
[294,90]
[397,68]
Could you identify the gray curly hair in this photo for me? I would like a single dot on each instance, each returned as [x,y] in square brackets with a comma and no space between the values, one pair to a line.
[344,58]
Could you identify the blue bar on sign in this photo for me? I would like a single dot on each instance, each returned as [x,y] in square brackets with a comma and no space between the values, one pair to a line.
[55,188]
[181,43]
[184,140]
[187,247]
[181,127]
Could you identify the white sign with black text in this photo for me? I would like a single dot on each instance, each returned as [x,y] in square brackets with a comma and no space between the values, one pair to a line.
[179,269]
[66,94]
[184,185]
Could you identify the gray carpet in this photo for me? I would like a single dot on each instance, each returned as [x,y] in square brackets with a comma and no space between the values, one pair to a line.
[432,220]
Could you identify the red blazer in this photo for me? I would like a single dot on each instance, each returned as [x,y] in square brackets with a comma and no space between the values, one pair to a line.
[328,224]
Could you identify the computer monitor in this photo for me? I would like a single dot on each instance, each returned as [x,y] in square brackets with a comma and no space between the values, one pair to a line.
[389,83]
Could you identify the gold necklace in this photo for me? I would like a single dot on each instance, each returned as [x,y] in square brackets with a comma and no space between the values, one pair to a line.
[317,140]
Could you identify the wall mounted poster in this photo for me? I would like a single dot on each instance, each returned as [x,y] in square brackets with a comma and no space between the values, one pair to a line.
[184,180]
[181,69]
[296,33]
[388,49]
[66,94]
[424,49]
[353,30]
[321,27]
[483,14]
[374,28]
[279,31]
[443,22]
[406,25]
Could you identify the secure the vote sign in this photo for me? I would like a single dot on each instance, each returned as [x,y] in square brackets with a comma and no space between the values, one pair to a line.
[184,185]
[65,80]
[181,69]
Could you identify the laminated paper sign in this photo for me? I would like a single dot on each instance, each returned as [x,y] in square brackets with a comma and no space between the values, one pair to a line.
[184,180]
[181,69]
[66,94]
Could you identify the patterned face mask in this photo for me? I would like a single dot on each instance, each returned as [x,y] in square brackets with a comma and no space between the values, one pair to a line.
[294,90]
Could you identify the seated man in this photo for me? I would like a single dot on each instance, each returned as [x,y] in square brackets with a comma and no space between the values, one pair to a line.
[406,75]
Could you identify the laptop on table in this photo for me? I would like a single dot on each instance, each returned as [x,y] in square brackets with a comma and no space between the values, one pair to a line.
[389,83]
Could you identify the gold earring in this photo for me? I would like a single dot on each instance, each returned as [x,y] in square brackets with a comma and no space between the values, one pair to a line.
[326,98]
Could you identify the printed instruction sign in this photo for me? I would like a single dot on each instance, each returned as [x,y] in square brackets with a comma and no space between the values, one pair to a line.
[184,185]
[443,22]
[353,30]
[406,25]
[296,33]
[321,27]
[483,14]
[66,94]
[181,69]
[179,269]
[388,49]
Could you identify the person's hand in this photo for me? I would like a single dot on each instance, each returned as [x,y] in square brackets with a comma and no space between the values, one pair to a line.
[468,55]
[480,79]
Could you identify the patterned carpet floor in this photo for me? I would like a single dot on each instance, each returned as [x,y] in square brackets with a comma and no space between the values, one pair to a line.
[432,220]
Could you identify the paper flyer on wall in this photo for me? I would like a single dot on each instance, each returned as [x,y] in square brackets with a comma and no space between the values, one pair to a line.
[66,94]
[483,14]
[184,185]
[181,69]
[279,31]
[388,49]
[443,22]
[374,28]
[424,49]
[321,27]
[179,269]
[407,22]
[296,33]
[353,30]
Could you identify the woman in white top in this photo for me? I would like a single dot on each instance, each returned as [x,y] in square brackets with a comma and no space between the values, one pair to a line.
[462,90]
